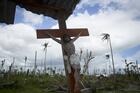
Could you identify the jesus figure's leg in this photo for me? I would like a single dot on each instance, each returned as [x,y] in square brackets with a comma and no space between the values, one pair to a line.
[77,78]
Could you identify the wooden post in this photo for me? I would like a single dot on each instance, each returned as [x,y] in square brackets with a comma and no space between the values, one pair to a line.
[7,13]
[70,77]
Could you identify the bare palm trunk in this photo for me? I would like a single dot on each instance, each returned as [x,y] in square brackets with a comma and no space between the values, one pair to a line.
[45,61]
[137,67]
[25,64]
[112,57]
[109,67]
[35,65]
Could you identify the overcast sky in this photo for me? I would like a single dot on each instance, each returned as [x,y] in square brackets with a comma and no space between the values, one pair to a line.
[119,18]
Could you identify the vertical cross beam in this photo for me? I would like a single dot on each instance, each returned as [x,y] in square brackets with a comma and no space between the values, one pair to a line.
[70,78]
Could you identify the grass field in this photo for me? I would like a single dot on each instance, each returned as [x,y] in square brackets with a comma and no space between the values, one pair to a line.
[47,84]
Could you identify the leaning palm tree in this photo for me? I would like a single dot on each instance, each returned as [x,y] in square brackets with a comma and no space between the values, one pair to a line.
[106,36]
[45,50]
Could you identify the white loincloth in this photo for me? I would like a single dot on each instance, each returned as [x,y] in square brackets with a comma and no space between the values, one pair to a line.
[75,61]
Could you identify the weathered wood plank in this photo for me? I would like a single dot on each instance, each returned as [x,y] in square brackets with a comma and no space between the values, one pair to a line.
[42,33]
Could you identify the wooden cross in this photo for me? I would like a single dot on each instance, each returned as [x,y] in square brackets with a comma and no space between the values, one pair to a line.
[42,33]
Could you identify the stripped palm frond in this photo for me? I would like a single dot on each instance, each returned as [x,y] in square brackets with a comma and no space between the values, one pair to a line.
[45,45]
[106,36]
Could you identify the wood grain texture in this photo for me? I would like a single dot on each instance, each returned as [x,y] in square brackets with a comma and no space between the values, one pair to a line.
[42,33]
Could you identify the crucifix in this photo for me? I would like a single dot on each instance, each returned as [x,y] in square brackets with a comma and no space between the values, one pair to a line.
[57,9]
[59,33]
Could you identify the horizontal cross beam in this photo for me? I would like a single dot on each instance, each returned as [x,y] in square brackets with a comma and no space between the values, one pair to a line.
[42,33]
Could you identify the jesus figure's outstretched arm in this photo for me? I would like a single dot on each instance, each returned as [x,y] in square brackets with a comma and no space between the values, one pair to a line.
[57,40]
[75,38]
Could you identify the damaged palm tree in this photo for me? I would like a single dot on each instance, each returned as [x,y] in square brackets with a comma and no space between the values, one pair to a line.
[2,64]
[87,59]
[25,59]
[45,50]
[107,37]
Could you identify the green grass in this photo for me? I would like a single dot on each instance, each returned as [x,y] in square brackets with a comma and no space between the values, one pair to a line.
[116,92]
[31,84]
[43,83]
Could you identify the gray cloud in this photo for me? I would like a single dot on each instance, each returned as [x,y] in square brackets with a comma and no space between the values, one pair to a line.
[31,18]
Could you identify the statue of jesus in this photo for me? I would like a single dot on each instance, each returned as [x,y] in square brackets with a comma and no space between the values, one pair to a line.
[73,64]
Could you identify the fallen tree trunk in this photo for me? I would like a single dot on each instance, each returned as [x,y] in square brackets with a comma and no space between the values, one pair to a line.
[57,89]
[8,84]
